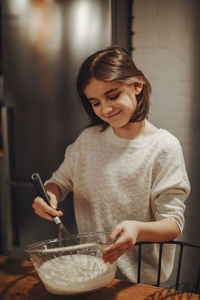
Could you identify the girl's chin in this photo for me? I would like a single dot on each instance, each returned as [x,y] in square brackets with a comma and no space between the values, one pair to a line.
[118,124]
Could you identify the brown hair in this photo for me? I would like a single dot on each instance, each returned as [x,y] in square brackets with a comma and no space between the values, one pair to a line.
[113,64]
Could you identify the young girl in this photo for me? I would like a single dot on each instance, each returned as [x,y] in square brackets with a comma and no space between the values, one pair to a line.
[127,176]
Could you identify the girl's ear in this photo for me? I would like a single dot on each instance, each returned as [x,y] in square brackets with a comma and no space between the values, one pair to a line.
[138,87]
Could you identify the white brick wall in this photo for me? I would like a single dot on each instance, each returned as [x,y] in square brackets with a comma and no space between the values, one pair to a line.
[166,47]
[163,44]
[163,7]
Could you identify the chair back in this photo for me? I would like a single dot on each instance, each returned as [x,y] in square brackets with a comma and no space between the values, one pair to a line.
[180,260]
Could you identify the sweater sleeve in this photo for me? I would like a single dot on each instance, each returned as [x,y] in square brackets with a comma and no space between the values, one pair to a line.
[171,186]
[63,176]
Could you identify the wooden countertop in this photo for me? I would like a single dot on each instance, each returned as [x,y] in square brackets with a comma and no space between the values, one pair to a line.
[19,281]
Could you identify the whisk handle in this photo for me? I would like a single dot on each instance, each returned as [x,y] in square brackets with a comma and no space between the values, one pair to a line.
[39,187]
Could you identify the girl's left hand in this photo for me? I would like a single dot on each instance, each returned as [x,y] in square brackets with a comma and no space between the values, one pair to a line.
[127,233]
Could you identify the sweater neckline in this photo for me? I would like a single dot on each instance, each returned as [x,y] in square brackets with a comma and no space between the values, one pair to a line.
[132,142]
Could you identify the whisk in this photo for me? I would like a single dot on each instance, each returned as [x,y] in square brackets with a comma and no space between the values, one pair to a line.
[62,230]
[39,187]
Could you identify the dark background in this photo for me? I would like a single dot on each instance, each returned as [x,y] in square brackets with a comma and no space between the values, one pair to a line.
[43,44]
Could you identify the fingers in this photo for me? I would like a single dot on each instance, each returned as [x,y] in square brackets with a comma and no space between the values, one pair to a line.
[126,234]
[113,252]
[117,231]
[53,200]
[45,211]
[43,215]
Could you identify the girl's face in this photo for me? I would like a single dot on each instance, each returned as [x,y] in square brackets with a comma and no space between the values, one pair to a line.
[113,102]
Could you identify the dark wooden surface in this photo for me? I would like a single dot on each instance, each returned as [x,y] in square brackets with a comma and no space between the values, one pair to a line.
[19,281]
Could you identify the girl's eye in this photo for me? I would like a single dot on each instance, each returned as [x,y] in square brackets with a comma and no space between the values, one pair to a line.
[114,97]
[95,104]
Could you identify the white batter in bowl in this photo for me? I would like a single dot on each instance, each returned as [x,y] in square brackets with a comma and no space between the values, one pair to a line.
[73,265]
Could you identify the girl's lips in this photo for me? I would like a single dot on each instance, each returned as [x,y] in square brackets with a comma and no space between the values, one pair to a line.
[113,115]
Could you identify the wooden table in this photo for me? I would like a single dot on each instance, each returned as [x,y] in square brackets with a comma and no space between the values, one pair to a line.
[19,281]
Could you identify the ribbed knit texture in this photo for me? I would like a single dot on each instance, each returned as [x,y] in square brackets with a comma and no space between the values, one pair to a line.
[115,179]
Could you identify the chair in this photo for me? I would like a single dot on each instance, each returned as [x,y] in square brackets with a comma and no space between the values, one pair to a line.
[180,249]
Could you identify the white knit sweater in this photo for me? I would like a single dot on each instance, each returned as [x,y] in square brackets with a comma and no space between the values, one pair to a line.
[115,179]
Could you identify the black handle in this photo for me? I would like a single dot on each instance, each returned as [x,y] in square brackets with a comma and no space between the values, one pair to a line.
[37,182]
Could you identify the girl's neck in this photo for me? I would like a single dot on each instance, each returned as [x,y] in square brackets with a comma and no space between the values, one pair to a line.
[136,130]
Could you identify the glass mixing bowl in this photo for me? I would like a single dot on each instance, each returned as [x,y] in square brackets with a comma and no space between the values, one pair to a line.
[72,264]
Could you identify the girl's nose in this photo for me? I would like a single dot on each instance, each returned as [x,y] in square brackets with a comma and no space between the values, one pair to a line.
[106,109]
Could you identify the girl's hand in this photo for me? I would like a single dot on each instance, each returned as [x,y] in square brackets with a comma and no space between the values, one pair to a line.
[127,233]
[44,210]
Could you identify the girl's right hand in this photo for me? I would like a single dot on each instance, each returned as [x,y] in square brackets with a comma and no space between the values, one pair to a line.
[44,210]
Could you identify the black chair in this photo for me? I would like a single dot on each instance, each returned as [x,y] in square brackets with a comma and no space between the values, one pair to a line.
[180,249]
